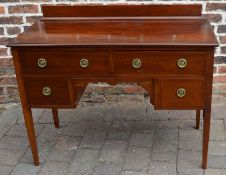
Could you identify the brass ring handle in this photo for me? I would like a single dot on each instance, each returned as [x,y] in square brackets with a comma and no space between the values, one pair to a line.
[42,62]
[182,63]
[136,63]
[181,92]
[84,62]
[46,91]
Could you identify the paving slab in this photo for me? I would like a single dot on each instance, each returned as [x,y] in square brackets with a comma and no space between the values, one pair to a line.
[10,157]
[217,162]
[44,150]
[165,150]
[189,162]
[166,133]
[122,125]
[50,133]
[14,143]
[218,112]
[3,130]
[187,124]
[217,130]
[215,172]
[6,170]
[113,151]
[217,148]
[54,168]
[142,139]
[75,130]
[144,126]
[10,116]
[60,155]
[182,114]
[21,131]
[67,143]
[94,113]
[136,158]
[84,162]
[132,173]
[25,169]
[71,115]
[36,113]
[114,112]
[190,140]
[156,115]
[167,124]
[162,168]
[136,112]
[107,168]
[94,139]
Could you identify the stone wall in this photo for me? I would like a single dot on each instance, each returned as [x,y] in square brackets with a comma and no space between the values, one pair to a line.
[17,15]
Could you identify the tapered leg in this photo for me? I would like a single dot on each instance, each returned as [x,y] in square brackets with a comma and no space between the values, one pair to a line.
[206,130]
[55,117]
[197,119]
[31,133]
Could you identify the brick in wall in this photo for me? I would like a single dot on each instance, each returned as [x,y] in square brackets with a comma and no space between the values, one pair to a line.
[27,8]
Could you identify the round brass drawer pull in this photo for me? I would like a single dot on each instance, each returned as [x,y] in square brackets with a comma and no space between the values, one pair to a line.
[136,63]
[42,62]
[84,62]
[46,91]
[182,63]
[181,92]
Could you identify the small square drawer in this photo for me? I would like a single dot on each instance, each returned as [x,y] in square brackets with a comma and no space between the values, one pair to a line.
[180,93]
[69,62]
[160,62]
[48,91]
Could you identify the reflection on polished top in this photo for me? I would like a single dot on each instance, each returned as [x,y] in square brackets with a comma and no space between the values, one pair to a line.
[153,31]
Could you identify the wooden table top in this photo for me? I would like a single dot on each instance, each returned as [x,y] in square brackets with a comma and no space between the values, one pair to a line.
[154,31]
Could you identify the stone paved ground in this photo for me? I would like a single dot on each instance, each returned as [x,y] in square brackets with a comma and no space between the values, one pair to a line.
[120,139]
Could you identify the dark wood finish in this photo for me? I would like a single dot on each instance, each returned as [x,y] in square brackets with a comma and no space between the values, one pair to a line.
[55,117]
[119,33]
[110,37]
[167,93]
[120,10]
[207,108]
[197,119]
[64,62]
[26,109]
[60,92]
[159,62]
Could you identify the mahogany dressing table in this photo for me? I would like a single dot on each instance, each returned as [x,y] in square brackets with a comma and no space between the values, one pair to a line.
[166,49]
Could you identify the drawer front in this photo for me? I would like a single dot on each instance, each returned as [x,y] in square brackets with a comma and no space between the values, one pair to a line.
[159,62]
[47,91]
[64,62]
[180,93]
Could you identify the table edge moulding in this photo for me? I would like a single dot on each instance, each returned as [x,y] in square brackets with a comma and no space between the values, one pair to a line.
[166,49]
